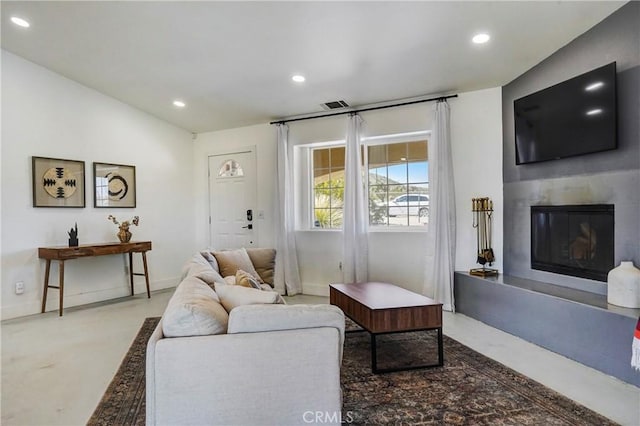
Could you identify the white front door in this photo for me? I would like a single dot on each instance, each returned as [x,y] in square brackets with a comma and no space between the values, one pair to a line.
[232,200]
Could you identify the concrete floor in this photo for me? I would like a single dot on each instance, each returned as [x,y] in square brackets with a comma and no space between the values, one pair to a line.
[55,369]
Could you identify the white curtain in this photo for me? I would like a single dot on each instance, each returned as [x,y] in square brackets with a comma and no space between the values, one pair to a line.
[287,273]
[355,222]
[441,235]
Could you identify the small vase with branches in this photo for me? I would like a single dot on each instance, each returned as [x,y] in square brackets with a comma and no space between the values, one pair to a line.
[124,235]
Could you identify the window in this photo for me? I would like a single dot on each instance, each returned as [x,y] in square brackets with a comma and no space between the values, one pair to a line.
[398,183]
[230,168]
[328,187]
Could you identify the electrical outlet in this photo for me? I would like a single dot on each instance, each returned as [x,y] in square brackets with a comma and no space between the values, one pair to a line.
[19,287]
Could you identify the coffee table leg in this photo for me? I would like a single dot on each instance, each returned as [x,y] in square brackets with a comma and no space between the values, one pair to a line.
[440,348]
[374,354]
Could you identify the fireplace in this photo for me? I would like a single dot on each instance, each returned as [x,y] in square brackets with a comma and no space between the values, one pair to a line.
[574,240]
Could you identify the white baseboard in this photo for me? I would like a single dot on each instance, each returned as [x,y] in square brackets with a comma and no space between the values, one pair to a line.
[315,289]
[32,307]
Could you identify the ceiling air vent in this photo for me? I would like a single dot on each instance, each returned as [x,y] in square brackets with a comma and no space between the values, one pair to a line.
[334,105]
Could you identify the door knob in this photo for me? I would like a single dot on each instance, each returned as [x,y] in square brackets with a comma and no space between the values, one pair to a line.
[249,226]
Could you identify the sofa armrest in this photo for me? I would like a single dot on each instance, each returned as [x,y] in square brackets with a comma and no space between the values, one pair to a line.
[271,317]
[150,368]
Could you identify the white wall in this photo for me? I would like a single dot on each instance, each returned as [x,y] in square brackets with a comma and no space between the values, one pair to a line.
[45,114]
[476,137]
[476,131]
[263,138]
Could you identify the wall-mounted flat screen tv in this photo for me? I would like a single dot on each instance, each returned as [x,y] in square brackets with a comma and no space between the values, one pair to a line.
[575,117]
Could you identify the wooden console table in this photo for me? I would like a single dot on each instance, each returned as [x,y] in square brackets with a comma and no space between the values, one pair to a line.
[62,253]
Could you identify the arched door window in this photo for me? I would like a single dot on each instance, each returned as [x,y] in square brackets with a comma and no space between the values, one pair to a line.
[230,168]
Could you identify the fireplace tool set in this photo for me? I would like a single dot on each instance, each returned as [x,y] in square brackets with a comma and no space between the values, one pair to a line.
[482,209]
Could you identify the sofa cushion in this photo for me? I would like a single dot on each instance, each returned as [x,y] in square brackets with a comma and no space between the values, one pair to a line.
[252,319]
[245,279]
[229,261]
[260,318]
[232,296]
[264,260]
[194,310]
[205,273]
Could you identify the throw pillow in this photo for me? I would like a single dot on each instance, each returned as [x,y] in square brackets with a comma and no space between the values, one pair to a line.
[229,261]
[194,310]
[264,260]
[235,295]
[245,279]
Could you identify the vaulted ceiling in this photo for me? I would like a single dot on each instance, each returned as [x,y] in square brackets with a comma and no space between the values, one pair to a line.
[232,62]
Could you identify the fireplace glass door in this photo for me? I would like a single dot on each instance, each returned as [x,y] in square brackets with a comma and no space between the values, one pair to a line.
[573,240]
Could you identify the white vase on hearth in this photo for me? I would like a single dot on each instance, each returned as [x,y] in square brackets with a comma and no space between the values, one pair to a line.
[623,286]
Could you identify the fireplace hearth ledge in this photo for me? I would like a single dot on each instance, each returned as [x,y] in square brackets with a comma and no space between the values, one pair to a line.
[577,324]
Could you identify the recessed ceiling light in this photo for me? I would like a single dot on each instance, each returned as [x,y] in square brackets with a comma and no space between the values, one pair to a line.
[595,111]
[298,78]
[481,38]
[20,22]
[179,104]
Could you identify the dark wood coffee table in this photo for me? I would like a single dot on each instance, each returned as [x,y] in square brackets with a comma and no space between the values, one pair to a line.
[382,308]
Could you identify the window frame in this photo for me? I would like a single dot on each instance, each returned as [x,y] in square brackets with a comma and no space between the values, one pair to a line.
[305,169]
[304,185]
[386,140]
[312,205]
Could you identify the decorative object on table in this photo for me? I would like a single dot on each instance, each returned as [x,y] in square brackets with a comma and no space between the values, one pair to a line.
[73,236]
[482,209]
[114,185]
[57,182]
[124,235]
[623,286]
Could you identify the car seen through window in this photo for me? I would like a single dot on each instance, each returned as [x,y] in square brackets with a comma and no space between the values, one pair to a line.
[411,205]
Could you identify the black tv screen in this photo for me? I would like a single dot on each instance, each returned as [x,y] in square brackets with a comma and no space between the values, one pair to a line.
[575,117]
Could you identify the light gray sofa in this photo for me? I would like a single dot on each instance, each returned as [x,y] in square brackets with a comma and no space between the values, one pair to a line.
[271,364]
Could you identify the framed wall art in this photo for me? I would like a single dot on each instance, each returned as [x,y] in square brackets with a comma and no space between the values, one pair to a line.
[57,182]
[114,185]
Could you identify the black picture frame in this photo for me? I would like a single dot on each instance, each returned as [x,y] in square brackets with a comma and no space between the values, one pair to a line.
[114,185]
[57,182]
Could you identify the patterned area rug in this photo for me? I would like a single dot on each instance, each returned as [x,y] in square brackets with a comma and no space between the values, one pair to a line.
[123,403]
[470,389]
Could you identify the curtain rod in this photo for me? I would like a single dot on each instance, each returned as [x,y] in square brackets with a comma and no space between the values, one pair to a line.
[354,111]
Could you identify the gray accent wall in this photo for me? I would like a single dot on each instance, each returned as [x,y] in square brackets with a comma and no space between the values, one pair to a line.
[611,177]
